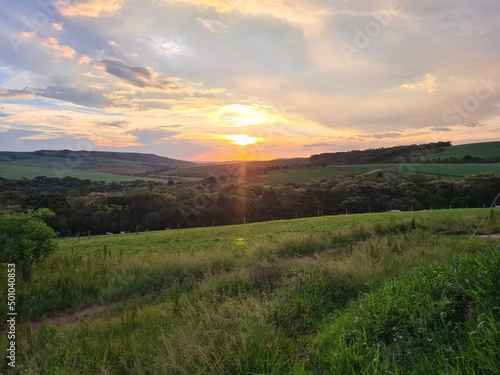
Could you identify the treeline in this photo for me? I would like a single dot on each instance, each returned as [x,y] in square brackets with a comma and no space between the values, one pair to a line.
[389,155]
[153,206]
[467,159]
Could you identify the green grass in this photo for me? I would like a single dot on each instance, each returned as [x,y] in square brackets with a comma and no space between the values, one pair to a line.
[449,170]
[439,319]
[232,168]
[265,298]
[14,172]
[482,150]
[303,176]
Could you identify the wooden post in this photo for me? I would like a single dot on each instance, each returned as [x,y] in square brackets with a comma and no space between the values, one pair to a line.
[244,220]
[178,226]
[296,215]
[213,222]
[137,230]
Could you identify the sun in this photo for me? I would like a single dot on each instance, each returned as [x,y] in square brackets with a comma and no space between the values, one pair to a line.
[242,139]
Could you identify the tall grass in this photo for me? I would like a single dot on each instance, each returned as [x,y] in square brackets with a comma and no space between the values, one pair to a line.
[440,319]
[276,303]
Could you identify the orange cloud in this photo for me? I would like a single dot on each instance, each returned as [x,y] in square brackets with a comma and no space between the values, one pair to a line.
[428,84]
[90,8]
[84,60]
[51,43]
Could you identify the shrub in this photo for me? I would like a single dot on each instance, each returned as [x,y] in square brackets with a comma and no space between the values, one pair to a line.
[26,240]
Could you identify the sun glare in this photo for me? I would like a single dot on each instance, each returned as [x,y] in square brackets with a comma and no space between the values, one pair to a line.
[242,139]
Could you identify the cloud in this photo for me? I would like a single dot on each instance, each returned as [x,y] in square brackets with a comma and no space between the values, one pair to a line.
[440,129]
[17,94]
[85,60]
[214,26]
[137,76]
[428,84]
[112,124]
[51,43]
[90,8]
[320,144]
[474,125]
[221,6]
[4,114]
[152,136]
[73,95]
[164,46]
[57,26]
[387,135]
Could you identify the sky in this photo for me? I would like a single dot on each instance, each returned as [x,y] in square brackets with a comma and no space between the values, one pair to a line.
[222,80]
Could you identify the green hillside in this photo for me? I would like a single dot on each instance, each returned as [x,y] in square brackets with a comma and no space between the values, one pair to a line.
[454,171]
[95,165]
[14,172]
[481,150]
[401,292]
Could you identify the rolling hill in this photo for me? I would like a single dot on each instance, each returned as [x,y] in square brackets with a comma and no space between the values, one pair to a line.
[479,150]
[94,165]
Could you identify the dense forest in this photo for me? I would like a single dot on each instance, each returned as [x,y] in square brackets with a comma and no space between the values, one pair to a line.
[84,205]
[397,154]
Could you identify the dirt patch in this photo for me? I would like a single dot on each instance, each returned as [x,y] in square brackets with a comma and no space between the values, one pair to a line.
[495,235]
[89,312]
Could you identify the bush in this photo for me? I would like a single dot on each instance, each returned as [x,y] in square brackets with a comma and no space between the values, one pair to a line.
[26,240]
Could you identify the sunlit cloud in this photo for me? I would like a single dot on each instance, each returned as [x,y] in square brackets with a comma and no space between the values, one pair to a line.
[428,84]
[57,26]
[242,139]
[214,26]
[84,60]
[51,43]
[89,8]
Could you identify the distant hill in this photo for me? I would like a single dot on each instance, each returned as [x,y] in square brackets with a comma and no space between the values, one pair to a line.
[94,165]
[472,152]
[133,157]
[390,155]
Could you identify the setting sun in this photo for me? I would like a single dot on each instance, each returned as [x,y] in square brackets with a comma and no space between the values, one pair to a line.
[242,139]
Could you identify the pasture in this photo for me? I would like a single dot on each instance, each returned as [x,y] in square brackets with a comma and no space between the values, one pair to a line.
[481,150]
[282,297]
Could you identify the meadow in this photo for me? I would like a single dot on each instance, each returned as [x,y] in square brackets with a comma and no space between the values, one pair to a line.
[481,150]
[398,292]
[15,172]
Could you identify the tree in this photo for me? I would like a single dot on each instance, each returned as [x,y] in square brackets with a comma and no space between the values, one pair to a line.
[26,240]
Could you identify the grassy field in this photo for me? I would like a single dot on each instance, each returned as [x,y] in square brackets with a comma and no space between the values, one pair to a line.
[15,165]
[482,150]
[214,169]
[14,172]
[303,176]
[391,293]
[449,170]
